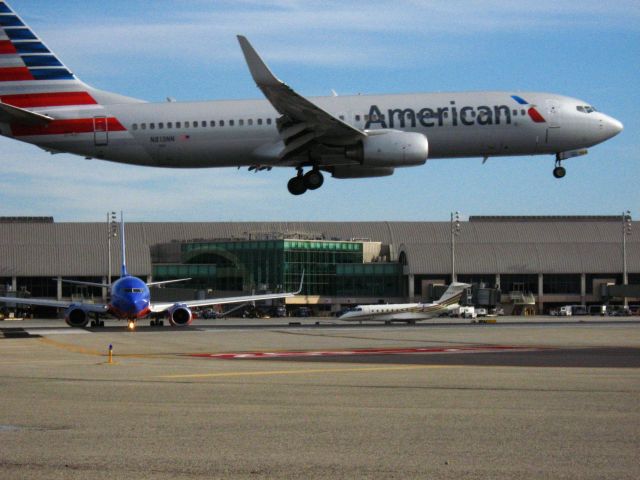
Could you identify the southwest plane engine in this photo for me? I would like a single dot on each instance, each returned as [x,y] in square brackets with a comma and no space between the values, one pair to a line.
[180,316]
[385,149]
[76,316]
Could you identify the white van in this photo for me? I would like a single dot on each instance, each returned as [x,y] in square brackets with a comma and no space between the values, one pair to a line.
[565,311]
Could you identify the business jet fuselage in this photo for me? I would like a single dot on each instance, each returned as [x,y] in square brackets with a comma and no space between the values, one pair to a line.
[43,103]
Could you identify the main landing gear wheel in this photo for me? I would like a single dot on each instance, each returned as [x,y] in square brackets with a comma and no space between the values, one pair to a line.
[313,179]
[296,185]
[559,172]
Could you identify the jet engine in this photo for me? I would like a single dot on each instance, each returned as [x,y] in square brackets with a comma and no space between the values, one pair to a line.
[390,148]
[180,316]
[76,316]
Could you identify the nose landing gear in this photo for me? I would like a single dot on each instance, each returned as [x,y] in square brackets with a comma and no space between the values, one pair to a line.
[559,171]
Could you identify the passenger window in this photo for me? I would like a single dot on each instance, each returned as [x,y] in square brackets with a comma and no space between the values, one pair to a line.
[357,118]
[523,112]
[178,124]
[160,126]
[186,124]
[143,126]
[241,122]
[152,126]
[212,123]
[134,126]
[231,123]
[195,124]
[268,121]
[515,113]
[250,122]
[341,117]
[221,123]
[169,124]
[259,121]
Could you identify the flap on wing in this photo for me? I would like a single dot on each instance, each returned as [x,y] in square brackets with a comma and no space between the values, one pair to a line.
[299,114]
[11,114]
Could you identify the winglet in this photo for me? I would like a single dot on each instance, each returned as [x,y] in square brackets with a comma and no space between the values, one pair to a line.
[300,287]
[259,70]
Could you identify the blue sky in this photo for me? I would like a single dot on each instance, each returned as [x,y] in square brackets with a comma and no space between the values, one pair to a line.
[187,49]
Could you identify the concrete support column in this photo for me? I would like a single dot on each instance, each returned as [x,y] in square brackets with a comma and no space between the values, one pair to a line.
[412,287]
[498,286]
[59,288]
[540,293]
[105,291]
[583,289]
[14,283]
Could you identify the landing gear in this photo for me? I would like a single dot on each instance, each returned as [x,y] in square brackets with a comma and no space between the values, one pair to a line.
[559,171]
[156,323]
[299,184]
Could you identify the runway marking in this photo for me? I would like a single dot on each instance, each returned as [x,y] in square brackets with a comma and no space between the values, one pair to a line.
[303,371]
[72,348]
[363,351]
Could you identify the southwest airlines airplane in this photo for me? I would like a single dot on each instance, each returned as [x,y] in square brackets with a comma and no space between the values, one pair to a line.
[43,102]
[131,300]
[408,312]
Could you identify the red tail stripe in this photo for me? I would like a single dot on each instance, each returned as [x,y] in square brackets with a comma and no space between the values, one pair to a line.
[49,99]
[14,74]
[63,127]
[7,47]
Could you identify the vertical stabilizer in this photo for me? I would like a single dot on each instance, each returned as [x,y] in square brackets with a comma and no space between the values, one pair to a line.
[452,295]
[33,77]
[123,272]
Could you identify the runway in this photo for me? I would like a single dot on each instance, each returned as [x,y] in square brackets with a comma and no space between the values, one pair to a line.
[530,400]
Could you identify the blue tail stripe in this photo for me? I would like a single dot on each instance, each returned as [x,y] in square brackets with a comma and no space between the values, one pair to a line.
[10,21]
[51,74]
[4,8]
[31,47]
[20,34]
[41,61]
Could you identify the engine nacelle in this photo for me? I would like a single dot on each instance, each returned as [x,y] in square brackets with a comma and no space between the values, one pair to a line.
[360,171]
[391,148]
[180,316]
[76,316]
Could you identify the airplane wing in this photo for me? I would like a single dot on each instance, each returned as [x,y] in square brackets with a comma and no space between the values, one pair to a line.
[43,302]
[11,114]
[302,122]
[161,307]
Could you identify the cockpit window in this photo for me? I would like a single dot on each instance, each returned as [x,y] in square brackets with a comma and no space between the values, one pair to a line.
[586,108]
[133,290]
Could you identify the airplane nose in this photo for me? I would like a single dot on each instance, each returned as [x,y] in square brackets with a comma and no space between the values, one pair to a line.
[612,127]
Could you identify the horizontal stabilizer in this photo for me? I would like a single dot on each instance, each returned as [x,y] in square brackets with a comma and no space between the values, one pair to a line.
[11,114]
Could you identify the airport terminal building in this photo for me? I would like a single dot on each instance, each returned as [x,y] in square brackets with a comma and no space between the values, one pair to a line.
[542,261]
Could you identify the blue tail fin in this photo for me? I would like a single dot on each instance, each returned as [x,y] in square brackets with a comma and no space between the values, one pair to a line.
[123,272]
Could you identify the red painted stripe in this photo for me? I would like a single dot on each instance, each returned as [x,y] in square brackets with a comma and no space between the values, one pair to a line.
[49,99]
[366,351]
[65,127]
[535,116]
[7,47]
[14,74]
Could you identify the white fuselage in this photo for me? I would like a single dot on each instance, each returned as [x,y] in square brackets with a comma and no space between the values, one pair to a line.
[239,132]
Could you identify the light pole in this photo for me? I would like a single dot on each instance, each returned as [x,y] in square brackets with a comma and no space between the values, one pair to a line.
[626,231]
[112,232]
[455,231]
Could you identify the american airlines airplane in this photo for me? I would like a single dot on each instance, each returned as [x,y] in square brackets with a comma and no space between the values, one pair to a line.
[43,102]
[131,300]
[408,312]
